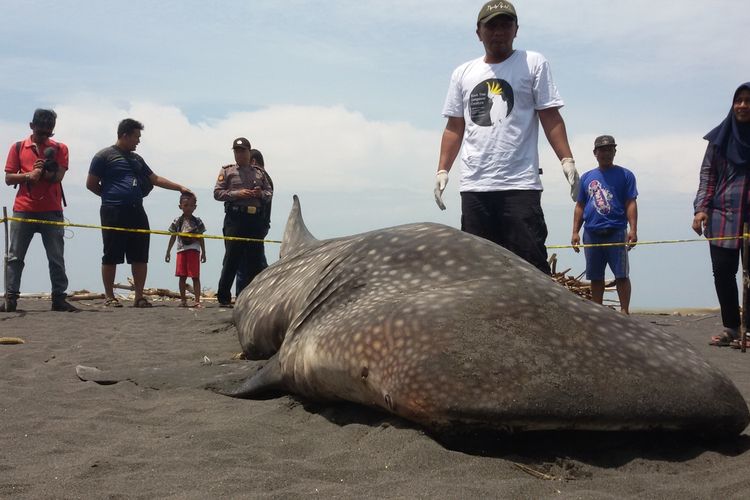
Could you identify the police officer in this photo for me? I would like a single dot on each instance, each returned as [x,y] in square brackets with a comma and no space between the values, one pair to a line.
[245,190]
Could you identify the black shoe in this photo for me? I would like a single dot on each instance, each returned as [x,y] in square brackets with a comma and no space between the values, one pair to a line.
[12,305]
[63,306]
[226,305]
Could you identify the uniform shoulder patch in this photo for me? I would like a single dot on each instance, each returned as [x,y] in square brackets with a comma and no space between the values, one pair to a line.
[221,174]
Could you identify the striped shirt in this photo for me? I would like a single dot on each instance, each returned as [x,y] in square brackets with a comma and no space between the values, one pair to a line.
[723,195]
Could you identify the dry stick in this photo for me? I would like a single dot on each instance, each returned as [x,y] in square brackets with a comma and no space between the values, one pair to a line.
[161,292]
[534,472]
[5,259]
[745,282]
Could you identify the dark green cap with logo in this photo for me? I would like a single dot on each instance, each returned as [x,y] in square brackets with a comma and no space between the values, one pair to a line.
[496,8]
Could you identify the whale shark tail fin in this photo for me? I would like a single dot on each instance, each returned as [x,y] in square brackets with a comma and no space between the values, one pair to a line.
[296,235]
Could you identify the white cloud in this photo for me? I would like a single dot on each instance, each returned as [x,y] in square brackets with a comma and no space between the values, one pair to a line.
[332,149]
[317,148]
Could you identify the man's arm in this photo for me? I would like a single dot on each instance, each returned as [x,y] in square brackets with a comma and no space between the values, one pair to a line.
[450,144]
[165,183]
[575,239]
[21,177]
[94,184]
[631,212]
[554,128]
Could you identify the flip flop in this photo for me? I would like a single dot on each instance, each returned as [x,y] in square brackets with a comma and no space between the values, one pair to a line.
[722,340]
[112,303]
[737,344]
[142,303]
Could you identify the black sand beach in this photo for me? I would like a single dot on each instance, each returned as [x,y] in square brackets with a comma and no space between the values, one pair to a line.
[161,433]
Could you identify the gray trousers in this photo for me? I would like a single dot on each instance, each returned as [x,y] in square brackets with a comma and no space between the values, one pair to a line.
[21,234]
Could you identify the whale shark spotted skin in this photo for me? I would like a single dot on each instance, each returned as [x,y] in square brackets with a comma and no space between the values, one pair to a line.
[447,329]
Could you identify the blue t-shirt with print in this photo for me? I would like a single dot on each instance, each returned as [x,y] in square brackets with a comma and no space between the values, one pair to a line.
[116,169]
[604,194]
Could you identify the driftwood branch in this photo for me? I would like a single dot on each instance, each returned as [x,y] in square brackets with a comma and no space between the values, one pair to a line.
[578,287]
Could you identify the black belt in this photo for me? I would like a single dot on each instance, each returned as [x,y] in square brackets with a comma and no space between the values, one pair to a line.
[251,210]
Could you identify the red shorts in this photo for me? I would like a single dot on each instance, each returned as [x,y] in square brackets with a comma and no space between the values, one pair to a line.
[188,264]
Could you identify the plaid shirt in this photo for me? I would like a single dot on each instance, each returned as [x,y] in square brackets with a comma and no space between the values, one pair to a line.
[723,195]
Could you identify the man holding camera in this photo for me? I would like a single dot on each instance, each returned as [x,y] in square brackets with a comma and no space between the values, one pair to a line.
[36,166]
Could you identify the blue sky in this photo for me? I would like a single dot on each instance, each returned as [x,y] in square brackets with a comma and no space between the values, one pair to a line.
[344,100]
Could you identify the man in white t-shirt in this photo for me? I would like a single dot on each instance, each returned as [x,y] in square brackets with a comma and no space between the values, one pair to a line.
[494,106]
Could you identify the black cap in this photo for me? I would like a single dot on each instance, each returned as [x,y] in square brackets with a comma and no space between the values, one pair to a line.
[604,140]
[241,142]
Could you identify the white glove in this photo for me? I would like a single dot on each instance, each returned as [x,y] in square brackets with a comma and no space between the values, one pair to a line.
[569,169]
[440,182]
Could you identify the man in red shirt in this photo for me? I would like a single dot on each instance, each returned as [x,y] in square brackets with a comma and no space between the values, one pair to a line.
[36,166]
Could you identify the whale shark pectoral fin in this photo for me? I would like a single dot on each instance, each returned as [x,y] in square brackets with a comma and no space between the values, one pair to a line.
[91,374]
[266,381]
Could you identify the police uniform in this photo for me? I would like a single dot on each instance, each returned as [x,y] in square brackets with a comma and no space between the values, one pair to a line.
[244,217]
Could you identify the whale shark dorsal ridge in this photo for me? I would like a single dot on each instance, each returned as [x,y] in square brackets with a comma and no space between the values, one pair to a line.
[296,234]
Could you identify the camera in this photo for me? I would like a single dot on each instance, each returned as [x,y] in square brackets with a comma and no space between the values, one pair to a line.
[50,164]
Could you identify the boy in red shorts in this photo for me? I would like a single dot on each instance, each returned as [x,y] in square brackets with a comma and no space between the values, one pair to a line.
[190,251]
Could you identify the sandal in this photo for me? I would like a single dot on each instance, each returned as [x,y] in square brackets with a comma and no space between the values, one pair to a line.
[142,303]
[113,302]
[723,340]
[197,305]
[737,344]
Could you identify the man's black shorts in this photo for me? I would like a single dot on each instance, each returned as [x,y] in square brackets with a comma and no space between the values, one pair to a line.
[512,219]
[121,244]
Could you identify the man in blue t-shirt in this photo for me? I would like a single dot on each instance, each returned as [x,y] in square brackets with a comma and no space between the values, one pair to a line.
[606,204]
[117,175]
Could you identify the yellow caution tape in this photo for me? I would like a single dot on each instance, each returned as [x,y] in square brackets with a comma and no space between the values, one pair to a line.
[237,238]
[132,230]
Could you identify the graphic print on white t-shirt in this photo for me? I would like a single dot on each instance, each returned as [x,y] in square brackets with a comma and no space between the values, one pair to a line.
[491,102]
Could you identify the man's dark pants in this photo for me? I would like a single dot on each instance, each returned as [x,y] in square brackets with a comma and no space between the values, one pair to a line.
[237,252]
[512,219]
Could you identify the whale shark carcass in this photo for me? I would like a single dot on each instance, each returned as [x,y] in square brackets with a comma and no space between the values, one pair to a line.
[447,330]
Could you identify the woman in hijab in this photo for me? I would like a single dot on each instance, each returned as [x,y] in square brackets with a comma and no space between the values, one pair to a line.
[722,206]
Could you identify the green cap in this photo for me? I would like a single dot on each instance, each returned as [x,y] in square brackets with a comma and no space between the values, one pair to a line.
[496,8]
